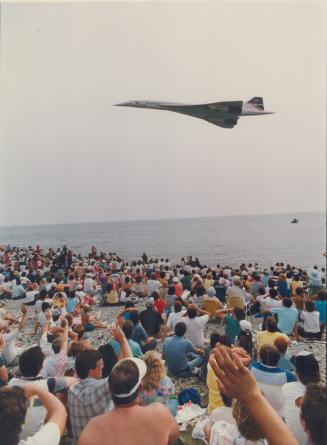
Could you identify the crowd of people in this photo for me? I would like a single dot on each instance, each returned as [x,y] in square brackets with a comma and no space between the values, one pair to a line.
[122,391]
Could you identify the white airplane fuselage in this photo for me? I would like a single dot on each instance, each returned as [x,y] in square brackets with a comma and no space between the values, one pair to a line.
[223,114]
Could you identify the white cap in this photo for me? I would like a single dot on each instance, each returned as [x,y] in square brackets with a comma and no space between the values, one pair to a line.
[245,325]
[141,366]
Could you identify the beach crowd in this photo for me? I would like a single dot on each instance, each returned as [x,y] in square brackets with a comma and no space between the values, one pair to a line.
[81,380]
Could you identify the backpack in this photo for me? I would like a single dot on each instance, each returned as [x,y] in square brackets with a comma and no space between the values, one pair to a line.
[245,341]
[189,395]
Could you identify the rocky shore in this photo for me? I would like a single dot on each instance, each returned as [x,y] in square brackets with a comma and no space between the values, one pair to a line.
[109,314]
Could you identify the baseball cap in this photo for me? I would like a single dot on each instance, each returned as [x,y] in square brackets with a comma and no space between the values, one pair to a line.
[141,366]
[245,325]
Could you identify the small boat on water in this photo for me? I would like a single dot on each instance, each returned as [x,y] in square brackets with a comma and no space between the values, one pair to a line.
[294,221]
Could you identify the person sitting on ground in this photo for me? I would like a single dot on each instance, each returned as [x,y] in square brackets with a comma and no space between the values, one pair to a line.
[139,288]
[150,319]
[282,286]
[11,352]
[313,414]
[195,321]
[14,402]
[125,384]
[295,283]
[145,342]
[244,431]
[59,344]
[178,287]
[18,291]
[235,290]
[282,344]
[271,301]
[3,367]
[91,396]
[127,329]
[311,327]
[89,321]
[256,284]
[112,295]
[307,371]
[268,336]
[159,303]
[299,299]
[175,316]
[156,385]
[30,365]
[260,299]
[232,318]
[216,400]
[176,350]
[153,285]
[72,301]
[314,280]
[236,382]
[41,318]
[287,317]
[321,304]
[170,298]
[270,378]
[109,359]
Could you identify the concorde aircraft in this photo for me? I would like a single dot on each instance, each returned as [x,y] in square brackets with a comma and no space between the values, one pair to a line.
[223,114]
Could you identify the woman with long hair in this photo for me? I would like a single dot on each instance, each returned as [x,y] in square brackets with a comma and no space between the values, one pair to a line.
[156,385]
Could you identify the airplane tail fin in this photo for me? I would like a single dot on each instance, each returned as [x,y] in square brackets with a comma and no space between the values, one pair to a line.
[257,102]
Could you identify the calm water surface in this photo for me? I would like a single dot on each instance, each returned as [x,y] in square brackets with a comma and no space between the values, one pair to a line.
[226,240]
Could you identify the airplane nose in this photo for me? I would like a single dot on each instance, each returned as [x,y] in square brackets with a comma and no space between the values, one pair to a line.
[123,104]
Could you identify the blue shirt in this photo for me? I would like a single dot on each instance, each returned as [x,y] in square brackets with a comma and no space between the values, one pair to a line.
[135,348]
[232,327]
[175,350]
[139,334]
[321,308]
[71,304]
[287,318]
[271,375]
[285,363]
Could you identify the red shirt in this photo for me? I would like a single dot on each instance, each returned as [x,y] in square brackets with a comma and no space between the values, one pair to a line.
[160,305]
[178,289]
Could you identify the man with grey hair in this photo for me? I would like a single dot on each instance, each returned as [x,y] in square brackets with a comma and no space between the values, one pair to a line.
[235,290]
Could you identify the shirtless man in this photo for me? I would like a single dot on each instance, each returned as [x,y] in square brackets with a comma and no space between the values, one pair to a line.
[130,423]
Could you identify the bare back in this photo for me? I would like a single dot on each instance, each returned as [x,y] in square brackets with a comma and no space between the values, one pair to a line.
[135,425]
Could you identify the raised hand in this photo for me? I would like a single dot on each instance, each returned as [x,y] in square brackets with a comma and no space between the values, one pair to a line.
[117,333]
[233,378]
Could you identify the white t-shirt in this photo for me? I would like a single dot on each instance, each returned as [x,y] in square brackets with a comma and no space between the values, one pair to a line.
[227,434]
[10,351]
[49,434]
[291,392]
[89,285]
[194,330]
[153,286]
[174,318]
[311,321]
[270,303]
[36,412]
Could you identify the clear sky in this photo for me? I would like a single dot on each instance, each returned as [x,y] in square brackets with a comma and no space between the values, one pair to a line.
[68,155]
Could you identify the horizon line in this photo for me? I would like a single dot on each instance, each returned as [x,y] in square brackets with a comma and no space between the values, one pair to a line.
[157,219]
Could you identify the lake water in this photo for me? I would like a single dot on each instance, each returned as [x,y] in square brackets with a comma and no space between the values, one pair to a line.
[231,240]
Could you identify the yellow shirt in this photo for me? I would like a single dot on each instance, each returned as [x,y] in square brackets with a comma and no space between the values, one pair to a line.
[215,399]
[268,338]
